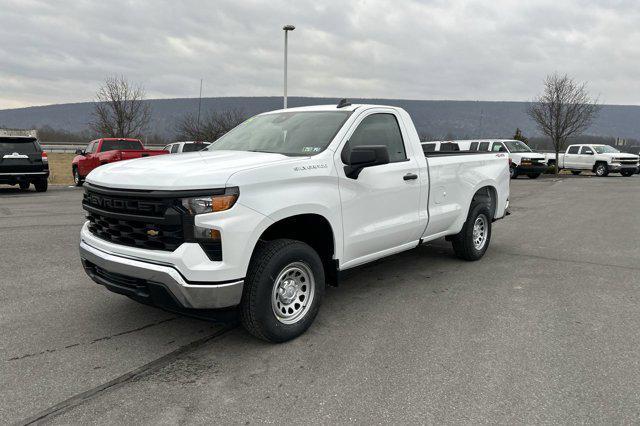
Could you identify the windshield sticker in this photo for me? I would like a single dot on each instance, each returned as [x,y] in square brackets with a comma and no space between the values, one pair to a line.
[311,149]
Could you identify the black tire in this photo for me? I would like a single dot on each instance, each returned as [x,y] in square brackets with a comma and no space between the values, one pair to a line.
[269,261]
[533,175]
[77,179]
[575,172]
[513,172]
[41,185]
[463,242]
[627,173]
[601,169]
[24,185]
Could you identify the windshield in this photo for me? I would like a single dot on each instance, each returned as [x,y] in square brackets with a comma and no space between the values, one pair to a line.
[288,133]
[118,145]
[19,145]
[190,147]
[603,149]
[517,146]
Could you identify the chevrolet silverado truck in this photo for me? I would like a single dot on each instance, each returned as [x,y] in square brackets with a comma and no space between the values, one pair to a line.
[599,159]
[107,150]
[522,159]
[278,208]
[22,161]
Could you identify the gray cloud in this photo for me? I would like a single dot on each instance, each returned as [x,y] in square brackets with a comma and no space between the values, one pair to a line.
[56,52]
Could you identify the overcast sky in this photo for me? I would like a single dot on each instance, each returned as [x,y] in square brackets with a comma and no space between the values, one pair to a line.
[59,51]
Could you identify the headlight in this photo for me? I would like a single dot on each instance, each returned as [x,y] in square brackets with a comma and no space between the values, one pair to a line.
[212,203]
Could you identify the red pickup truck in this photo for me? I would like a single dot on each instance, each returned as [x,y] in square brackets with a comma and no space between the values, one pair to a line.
[107,150]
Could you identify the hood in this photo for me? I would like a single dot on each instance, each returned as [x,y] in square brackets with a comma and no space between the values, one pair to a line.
[196,170]
[621,155]
[532,155]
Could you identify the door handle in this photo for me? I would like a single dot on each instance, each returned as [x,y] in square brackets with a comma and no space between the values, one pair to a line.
[410,176]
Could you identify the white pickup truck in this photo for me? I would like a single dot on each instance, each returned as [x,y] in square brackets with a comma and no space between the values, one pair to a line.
[599,159]
[275,209]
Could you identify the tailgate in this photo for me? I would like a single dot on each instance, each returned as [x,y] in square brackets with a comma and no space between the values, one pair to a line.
[20,155]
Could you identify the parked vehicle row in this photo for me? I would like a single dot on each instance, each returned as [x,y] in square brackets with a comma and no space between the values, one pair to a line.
[279,207]
[23,162]
[187,146]
[599,159]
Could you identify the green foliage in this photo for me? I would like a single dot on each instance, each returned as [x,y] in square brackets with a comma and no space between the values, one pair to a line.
[520,137]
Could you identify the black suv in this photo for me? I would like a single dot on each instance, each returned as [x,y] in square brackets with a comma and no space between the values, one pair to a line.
[23,162]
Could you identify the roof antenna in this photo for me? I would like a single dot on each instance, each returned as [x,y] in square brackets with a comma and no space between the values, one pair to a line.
[343,103]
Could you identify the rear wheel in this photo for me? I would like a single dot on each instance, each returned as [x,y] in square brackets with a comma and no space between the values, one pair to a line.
[533,175]
[575,172]
[601,169]
[41,185]
[24,185]
[473,240]
[283,290]
[77,179]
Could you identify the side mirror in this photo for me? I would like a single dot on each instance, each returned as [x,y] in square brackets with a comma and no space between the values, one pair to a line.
[79,151]
[364,156]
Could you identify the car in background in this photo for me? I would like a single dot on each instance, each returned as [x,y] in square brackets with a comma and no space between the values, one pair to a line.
[599,159]
[107,150]
[22,161]
[186,146]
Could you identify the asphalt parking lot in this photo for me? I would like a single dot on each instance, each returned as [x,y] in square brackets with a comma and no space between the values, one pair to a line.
[543,329]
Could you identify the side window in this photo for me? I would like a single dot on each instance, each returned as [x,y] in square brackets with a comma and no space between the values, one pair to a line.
[484,146]
[166,148]
[498,147]
[586,150]
[474,146]
[380,129]
[573,150]
[174,148]
[428,147]
[89,148]
[449,146]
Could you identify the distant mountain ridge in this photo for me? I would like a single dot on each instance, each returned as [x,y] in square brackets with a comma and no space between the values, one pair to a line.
[434,119]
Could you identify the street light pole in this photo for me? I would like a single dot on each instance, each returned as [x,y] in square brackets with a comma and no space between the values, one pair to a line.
[286,29]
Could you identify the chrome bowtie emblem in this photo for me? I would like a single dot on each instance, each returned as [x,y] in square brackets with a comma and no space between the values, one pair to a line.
[153,232]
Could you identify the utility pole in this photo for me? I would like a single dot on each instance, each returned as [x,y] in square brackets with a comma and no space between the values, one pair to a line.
[286,29]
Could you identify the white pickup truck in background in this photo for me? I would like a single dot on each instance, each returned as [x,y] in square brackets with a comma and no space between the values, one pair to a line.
[599,159]
[522,159]
[276,208]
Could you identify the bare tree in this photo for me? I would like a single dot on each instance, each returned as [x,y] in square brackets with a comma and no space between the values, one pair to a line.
[563,110]
[210,127]
[120,111]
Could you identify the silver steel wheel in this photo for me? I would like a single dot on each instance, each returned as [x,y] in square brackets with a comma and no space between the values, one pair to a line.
[480,229]
[600,169]
[293,293]
[76,176]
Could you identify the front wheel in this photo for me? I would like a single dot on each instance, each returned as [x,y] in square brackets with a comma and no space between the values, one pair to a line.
[533,175]
[473,240]
[283,290]
[512,172]
[24,185]
[77,179]
[601,169]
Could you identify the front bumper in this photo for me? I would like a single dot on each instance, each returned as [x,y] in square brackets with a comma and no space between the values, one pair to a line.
[155,283]
[622,167]
[532,168]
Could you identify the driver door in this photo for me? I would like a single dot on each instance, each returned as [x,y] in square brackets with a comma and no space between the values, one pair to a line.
[380,207]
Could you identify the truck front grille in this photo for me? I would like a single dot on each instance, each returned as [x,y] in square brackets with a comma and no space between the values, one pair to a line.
[135,233]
